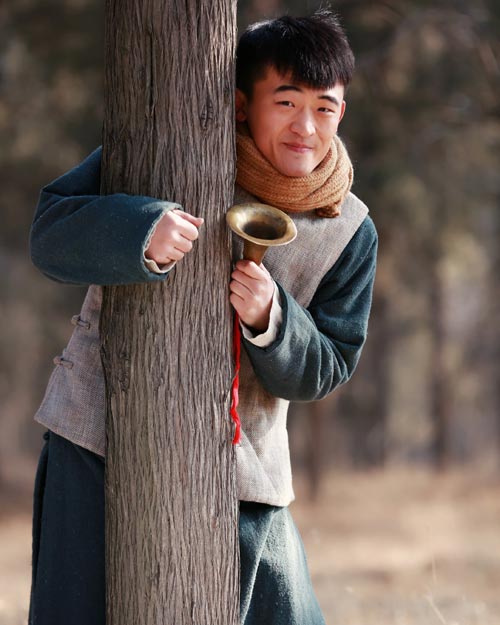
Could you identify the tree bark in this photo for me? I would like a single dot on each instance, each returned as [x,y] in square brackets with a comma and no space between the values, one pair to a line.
[171,500]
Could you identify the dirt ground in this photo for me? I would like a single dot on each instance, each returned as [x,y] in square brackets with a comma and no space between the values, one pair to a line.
[384,548]
[405,548]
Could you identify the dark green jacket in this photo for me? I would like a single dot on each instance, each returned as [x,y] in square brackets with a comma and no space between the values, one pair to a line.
[81,237]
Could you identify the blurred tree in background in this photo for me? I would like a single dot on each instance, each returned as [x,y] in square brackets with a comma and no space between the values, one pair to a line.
[50,117]
[423,129]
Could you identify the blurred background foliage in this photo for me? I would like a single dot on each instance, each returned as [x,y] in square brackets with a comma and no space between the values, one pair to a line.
[423,129]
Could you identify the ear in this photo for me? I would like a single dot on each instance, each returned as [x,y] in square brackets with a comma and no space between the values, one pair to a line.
[240,106]
[342,110]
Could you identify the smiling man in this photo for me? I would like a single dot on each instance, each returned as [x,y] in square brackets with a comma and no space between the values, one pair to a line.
[304,317]
[292,125]
[305,310]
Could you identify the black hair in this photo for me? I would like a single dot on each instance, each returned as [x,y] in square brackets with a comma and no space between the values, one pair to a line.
[314,50]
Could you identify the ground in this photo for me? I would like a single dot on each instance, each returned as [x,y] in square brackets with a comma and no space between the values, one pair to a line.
[385,548]
[405,548]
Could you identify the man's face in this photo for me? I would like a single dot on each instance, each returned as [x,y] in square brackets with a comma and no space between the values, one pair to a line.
[291,124]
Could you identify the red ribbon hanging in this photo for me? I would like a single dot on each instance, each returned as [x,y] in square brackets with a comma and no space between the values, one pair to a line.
[236,380]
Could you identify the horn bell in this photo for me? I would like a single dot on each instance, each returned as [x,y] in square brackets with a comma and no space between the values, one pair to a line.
[260,226]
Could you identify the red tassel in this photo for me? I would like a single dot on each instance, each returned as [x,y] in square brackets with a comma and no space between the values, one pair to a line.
[236,380]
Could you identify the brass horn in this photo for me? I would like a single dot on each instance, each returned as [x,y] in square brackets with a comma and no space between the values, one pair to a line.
[260,226]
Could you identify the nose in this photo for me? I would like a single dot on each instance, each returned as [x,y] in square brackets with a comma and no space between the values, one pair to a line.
[303,124]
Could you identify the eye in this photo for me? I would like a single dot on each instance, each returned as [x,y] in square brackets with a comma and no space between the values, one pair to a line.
[325,109]
[285,103]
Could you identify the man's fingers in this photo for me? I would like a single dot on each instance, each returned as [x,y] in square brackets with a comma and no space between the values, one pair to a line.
[242,278]
[182,244]
[173,237]
[196,221]
[240,289]
[185,228]
[174,254]
[253,276]
[251,269]
[236,301]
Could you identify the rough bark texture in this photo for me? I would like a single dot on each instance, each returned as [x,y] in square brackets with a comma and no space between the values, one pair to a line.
[171,502]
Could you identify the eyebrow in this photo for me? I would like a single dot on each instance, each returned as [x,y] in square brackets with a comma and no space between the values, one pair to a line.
[330,98]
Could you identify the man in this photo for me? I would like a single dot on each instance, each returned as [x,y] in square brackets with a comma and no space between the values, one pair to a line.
[304,319]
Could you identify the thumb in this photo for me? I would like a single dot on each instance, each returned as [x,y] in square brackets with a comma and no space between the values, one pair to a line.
[196,221]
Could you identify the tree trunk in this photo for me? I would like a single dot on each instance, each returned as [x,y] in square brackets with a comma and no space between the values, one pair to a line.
[440,392]
[171,501]
[382,342]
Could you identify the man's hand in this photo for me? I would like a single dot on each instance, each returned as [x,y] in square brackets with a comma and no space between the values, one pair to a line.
[252,290]
[173,237]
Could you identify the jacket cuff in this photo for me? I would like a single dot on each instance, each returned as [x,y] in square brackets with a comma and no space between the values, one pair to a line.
[149,264]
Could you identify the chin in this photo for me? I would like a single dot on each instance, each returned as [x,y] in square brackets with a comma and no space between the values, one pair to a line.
[297,172]
[295,169]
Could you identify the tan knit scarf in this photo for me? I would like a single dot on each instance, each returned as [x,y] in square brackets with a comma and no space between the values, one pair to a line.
[323,190]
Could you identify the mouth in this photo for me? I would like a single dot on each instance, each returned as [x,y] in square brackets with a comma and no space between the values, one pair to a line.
[299,148]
